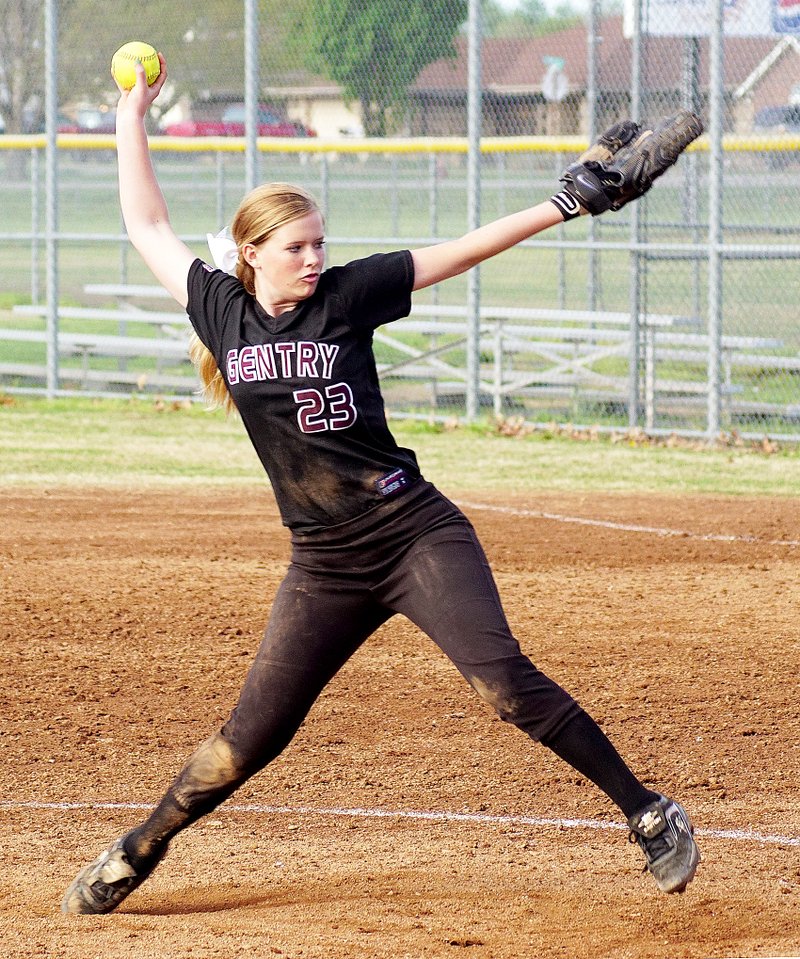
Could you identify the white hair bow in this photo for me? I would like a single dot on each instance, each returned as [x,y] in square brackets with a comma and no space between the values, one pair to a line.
[224,250]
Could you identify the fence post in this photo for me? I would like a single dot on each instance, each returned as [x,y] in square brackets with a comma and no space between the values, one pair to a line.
[474,110]
[251,93]
[324,185]
[635,277]
[498,369]
[691,167]
[36,226]
[433,227]
[220,189]
[716,116]
[561,255]
[592,227]
[51,190]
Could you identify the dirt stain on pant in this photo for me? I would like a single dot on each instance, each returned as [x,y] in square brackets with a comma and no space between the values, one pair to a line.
[210,769]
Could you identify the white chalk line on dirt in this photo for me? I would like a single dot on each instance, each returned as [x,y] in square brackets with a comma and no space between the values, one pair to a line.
[628,527]
[737,835]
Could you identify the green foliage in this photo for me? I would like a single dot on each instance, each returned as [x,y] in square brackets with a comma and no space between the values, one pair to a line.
[21,62]
[203,45]
[376,48]
[531,18]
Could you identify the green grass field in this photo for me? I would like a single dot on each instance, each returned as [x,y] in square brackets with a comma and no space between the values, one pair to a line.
[138,443]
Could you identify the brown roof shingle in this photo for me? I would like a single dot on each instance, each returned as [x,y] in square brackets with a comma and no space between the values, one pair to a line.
[513,65]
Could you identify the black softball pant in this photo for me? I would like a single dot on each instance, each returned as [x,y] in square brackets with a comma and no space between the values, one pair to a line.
[417,556]
[333,598]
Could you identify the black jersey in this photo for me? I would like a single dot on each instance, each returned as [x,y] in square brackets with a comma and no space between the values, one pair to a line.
[306,385]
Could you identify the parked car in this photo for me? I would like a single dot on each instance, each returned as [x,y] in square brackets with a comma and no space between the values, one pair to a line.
[87,120]
[30,123]
[271,123]
[778,119]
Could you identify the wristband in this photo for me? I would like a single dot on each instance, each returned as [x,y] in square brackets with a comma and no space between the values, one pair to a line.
[567,205]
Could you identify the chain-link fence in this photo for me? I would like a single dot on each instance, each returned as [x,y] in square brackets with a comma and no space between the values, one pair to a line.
[414,120]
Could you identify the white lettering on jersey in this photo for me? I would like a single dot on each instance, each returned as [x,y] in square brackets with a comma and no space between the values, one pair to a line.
[327,353]
[286,351]
[265,362]
[272,361]
[307,360]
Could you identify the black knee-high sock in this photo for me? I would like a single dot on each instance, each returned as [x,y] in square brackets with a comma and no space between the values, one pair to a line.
[211,774]
[147,842]
[582,744]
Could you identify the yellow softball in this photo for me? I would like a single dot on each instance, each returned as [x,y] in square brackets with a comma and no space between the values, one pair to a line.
[123,63]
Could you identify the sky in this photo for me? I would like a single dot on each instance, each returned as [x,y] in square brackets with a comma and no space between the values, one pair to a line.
[550,4]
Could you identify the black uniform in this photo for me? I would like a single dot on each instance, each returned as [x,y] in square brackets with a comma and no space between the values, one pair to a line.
[306,386]
[370,538]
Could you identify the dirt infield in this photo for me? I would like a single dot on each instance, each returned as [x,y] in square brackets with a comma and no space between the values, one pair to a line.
[129,619]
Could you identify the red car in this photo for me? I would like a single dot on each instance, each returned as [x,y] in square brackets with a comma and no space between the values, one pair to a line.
[231,124]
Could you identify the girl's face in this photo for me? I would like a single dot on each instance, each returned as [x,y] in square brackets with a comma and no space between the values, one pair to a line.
[288,264]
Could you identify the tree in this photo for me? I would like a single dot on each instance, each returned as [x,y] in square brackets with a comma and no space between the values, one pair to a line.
[21,62]
[203,44]
[376,48]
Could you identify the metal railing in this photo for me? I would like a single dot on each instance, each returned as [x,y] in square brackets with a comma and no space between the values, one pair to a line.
[415,191]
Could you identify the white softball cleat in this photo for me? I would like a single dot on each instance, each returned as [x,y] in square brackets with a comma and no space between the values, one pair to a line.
[102,885]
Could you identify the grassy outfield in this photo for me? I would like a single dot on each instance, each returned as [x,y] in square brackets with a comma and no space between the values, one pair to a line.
[141,443]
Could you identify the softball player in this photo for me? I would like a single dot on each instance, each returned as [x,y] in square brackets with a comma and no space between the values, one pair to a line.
[289,344]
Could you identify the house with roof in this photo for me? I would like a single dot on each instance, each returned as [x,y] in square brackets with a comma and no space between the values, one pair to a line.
[521,99]
[319,103]
[772,87]
[540,86]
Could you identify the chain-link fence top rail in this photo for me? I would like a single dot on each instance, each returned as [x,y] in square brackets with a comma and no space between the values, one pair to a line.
[648,317]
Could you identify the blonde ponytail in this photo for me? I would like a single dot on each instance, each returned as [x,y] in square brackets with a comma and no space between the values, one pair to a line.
[214,388]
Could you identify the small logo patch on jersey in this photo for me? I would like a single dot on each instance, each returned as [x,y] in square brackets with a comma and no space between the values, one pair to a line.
[393,482]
